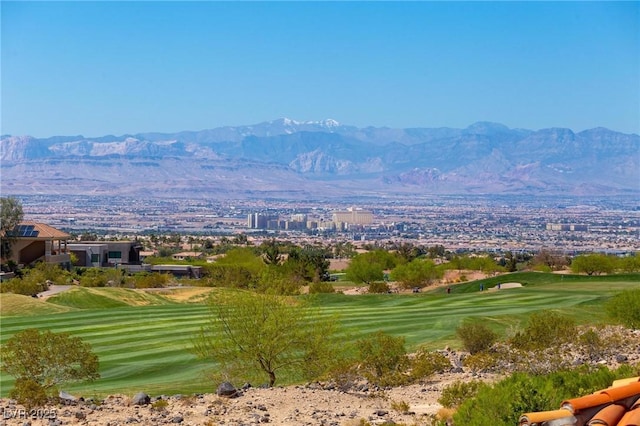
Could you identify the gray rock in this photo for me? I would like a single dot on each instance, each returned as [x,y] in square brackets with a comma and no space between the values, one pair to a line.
[227,389]
[80,415]
[621,358]
[141,398]
[67,398]
[177,419]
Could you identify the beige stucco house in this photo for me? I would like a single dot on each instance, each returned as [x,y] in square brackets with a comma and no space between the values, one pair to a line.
[34,242]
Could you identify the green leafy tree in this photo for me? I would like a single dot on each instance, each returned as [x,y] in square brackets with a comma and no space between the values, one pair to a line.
[276,279]
[436,251]
[252,335]
[241,267]
[89,236]
[407,251]
[417,273]
[369,267]
[343,250]
[309,262]
[240,240]
[10,216]
[547,260]
[271,252]
[511,262]
[41,361]
[593,264]
[485,264]
[630,263]
[364,270]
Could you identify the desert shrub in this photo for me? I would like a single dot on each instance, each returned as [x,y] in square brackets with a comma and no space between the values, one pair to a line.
[40,361]
[321,287]
[592,343]
[25,286]
[151,280]
[93,277]
[160,405]
[29,393]
[35,280]
[625,308]
[476,337]
[444,417]
[400,406]
[426,363]
[502,403]
[545,329]
[378,287]
[358,422]
[458,392]
[481,361]
[344,375]
[384,359]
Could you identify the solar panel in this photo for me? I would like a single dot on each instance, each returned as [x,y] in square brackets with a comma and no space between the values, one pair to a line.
[24,231]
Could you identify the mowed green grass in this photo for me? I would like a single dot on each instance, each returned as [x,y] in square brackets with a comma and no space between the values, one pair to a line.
[143,340]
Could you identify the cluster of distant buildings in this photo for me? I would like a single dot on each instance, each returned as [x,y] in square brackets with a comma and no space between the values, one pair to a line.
[567,227]
[340,221]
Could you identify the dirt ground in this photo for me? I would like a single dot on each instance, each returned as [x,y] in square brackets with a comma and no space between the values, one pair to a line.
[292,405]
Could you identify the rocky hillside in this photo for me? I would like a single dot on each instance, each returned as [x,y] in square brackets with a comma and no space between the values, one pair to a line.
[286,157]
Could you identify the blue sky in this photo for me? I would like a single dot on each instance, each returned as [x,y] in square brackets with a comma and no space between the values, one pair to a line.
[96,68]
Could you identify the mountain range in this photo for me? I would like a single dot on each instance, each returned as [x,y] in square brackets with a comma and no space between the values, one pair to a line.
[288,158]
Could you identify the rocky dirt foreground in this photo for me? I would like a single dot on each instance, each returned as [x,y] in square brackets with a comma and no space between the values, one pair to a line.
[309,404]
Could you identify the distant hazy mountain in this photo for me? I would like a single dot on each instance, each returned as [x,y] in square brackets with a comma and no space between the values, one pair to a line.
[325,158]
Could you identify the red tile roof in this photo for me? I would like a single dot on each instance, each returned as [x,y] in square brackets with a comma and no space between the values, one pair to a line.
[617,405]
[46,231]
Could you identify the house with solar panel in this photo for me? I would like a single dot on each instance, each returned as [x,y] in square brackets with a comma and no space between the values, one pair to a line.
[33,242]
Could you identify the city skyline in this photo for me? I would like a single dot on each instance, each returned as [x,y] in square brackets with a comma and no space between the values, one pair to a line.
[102,68]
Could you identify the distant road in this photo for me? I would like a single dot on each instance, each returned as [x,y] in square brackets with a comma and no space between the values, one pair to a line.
[54,289]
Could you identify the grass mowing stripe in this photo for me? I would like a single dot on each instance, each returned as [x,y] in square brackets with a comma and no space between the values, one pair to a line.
[105,319]
[147,347]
